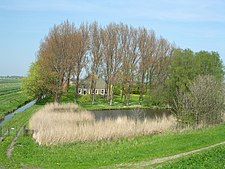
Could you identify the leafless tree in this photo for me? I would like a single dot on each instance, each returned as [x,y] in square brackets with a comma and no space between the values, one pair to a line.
[54,54]
[147,48]
[203,104]
[96,48]
[82,50]
[130,58]
[111,58]
[121,53]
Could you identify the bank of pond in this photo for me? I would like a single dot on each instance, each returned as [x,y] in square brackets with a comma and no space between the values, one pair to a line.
[92,154]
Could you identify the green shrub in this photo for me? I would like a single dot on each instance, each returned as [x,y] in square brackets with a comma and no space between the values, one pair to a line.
[117,90]
[135,89]
[85,99]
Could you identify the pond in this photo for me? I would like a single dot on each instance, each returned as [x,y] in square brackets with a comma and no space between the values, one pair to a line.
[139,114]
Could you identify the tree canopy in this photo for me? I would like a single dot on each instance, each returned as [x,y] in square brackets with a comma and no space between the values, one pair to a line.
[120,54]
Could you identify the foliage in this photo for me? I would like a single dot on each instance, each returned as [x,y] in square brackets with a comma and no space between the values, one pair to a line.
[34,85]
[135,89]
[186,65]
[156,96]
[209,63]
[202,104]
[85,99]
[117,90]
[117,52]
[181,72]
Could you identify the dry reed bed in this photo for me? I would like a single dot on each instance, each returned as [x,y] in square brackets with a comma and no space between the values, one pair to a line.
[66,123]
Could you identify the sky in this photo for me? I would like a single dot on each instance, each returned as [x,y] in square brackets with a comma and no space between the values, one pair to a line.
[195,24]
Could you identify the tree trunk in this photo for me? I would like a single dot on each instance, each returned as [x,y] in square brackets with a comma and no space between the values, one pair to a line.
[128,95]
[93,86]
[111,94]
[68,82]
[122,94]
[57,97]
[77,85]
[142,88]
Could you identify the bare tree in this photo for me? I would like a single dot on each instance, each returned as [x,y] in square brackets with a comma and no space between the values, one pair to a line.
[203,104]
[121,53]
[163,52]
[130,55]
[147,48]
[81,56]
[53,54]
[73,46]
[111,58]
[96,55]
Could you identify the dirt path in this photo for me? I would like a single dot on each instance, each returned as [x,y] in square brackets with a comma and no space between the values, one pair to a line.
[163,159]
[11,146]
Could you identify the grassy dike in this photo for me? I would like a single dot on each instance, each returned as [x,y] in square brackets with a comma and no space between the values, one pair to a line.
[27,153]
[212,158]
[103,153]
[16,122]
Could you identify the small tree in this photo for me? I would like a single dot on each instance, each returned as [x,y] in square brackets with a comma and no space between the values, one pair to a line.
[203,104]
[33,85]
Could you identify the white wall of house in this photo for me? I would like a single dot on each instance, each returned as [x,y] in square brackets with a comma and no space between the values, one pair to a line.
[88,91]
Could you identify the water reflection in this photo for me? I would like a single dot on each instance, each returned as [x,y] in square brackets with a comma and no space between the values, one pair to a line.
[135,114]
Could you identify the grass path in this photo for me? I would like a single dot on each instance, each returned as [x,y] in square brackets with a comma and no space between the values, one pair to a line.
[11,146]
[157,161]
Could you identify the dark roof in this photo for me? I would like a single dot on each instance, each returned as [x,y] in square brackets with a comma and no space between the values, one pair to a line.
[100,83]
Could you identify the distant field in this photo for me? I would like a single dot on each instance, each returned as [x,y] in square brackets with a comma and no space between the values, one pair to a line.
[11,96]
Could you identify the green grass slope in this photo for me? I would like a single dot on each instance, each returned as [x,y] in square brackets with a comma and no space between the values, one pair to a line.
[11,96]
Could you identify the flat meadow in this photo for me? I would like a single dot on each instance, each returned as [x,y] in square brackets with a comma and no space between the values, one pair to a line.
[11,96]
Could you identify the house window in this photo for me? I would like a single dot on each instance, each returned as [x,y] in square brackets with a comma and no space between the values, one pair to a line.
[96,91]
[85,92]
[79,91]
[103,91]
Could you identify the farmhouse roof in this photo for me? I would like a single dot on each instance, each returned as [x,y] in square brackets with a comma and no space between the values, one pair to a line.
[100,83]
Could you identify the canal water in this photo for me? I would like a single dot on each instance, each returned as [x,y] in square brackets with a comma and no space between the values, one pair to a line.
[9,116]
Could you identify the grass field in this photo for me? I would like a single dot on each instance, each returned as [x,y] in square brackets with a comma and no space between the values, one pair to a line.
[11,96]
[103,153]
[213,158]
[84,101]
[93,154]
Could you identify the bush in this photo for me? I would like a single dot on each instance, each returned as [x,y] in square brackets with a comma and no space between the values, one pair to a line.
[135,89]
[203,104]
[155,97]
[117,90]
[85,99]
